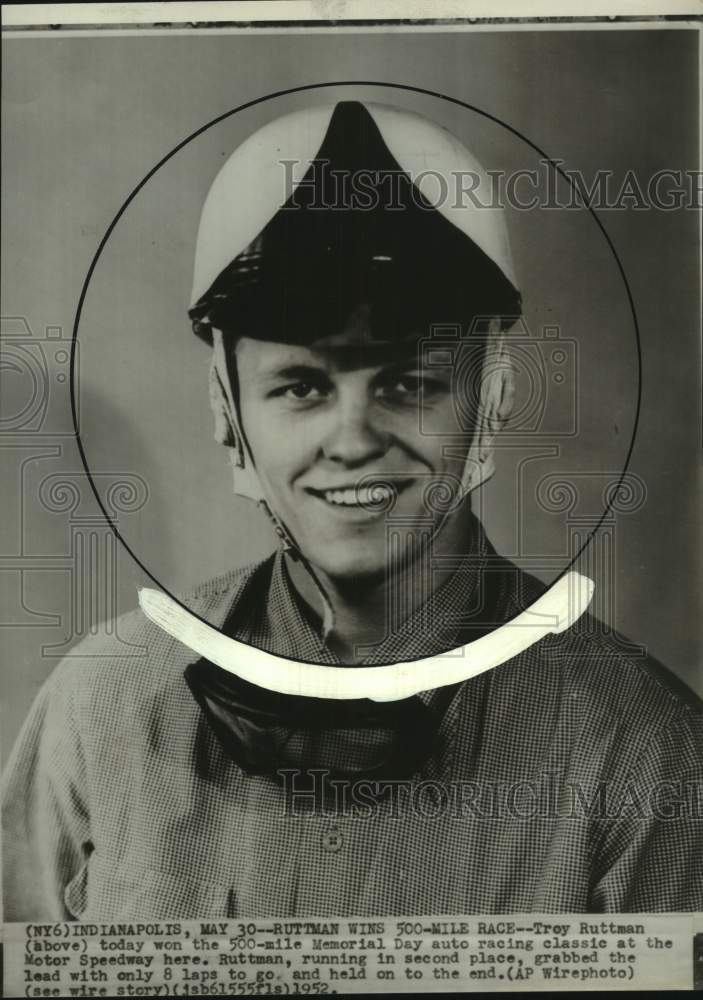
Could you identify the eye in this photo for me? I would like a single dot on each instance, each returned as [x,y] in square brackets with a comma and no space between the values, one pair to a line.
[403,385]
[301,392]
[408,387]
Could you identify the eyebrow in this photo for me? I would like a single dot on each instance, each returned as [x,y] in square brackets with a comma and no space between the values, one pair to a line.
[302,370]
[293,372]
[374,355]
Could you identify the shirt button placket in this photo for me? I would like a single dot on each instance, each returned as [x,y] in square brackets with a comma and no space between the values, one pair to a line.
[332,839]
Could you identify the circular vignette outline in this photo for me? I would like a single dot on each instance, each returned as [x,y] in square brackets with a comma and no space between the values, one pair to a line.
[303,89]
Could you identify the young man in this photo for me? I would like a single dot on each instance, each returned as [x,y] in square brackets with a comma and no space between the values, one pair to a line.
[563,780]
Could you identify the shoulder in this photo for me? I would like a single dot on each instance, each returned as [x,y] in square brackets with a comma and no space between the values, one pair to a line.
[624,705]
[134,661]
[608,691]
[208,594]
[626,693]
[608,668]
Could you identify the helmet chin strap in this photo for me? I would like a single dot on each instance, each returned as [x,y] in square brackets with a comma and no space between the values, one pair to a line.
[494,404]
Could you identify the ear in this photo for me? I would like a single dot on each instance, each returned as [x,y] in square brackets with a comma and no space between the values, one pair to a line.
[494,408]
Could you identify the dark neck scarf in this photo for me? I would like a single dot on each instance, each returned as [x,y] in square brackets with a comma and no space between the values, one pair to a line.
[265,733]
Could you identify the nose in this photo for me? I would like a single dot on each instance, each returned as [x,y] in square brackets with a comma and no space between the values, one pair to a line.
[355,439]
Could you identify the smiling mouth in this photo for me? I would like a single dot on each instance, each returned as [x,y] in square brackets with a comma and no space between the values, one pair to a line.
[371,498]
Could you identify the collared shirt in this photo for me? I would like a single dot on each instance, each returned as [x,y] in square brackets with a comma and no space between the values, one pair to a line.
[566,780]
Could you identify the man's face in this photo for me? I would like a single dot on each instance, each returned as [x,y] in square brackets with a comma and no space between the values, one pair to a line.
[338,425]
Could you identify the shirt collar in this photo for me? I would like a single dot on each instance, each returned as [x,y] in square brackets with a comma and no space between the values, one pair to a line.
[265,609]
[296,614]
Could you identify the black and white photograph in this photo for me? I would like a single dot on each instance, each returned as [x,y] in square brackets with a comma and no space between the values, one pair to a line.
[351,542]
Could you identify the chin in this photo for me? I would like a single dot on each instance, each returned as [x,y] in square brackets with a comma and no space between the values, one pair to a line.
[349,562]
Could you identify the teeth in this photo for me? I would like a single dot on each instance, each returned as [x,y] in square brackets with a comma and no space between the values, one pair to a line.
[354,498]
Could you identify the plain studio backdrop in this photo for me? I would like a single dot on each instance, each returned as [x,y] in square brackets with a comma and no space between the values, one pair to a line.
[86,118]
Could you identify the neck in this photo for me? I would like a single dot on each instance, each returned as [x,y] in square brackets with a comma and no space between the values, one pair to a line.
[366,609]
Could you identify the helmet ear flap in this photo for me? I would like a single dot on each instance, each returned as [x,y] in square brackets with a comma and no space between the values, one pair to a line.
[223,407]
[495,404]
[229,432]
[224,430]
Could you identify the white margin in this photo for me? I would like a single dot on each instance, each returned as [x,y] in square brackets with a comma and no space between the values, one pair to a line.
[94,14]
